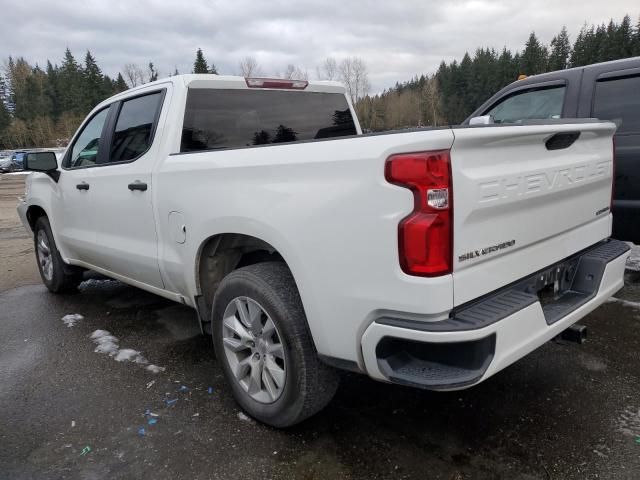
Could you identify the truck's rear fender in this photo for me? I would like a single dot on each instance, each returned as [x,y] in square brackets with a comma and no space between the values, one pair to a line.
[220,254]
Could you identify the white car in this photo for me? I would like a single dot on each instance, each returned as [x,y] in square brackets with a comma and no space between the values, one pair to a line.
[5,164]
[428,257]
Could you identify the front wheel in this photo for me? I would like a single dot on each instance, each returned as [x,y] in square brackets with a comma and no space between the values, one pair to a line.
[262,341]
[56,275]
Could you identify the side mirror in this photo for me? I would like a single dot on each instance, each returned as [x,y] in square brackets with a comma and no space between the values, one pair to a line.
[483,120]
[45,162]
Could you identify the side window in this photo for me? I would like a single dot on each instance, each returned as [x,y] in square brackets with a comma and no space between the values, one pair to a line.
[619,99]
[84,151]
[528,105]
[134,129]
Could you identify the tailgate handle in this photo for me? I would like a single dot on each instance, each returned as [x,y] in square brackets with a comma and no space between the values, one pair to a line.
[561,140]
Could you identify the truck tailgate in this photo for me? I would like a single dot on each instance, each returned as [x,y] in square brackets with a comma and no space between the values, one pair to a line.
[525,197]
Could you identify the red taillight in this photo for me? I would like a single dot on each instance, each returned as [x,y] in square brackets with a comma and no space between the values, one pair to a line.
[425,236]
[276,83]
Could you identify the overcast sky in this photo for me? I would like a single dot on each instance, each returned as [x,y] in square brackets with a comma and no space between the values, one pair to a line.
[397,39]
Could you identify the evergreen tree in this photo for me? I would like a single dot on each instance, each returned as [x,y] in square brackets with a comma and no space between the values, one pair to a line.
[51,90]
[601,47]
[94,89]
[119,85]
[580,54]
[107,86]
[507,68]
[534,57]
[70,85]
[200,65]
[560,51]
[625,38]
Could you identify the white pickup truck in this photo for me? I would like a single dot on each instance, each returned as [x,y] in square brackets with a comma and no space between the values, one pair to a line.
[430,257]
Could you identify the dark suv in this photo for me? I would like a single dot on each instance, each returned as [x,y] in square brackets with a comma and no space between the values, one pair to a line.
[608,91]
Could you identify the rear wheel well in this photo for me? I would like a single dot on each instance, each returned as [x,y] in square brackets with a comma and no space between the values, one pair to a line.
[34,212]
[221,254]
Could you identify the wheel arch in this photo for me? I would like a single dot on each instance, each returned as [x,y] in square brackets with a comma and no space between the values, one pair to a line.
[222,253]
[33,213]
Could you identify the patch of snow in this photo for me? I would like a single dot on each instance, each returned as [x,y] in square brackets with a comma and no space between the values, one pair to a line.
[99,333]
[129,355]
[108,344]
[154,369]
[633,261]
[71,319]
[95,282]
[244,417]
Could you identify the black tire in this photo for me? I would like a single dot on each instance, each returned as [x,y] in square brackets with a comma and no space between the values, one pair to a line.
[63,277]
[309,384]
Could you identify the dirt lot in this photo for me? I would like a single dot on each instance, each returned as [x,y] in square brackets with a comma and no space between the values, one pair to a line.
[563,412]
[17,263]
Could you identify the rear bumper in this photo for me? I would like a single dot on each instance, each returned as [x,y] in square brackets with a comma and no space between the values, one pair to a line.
[487,335]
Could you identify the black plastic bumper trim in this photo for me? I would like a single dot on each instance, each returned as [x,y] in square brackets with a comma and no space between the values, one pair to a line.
[578,278]
[435,366]
[340,363]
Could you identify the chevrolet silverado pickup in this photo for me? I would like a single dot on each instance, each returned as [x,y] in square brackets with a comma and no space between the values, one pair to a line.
[430,257]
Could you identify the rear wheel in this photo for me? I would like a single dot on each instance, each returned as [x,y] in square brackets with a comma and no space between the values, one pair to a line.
[262,340]
[56,275]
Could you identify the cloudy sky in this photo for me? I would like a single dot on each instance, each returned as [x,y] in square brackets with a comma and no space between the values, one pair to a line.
[397,39]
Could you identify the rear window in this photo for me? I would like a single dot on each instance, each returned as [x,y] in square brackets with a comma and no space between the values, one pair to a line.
[216,118]
[619,99]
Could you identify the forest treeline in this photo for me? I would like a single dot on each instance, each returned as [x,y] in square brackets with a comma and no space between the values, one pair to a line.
[43,106]
[458,88]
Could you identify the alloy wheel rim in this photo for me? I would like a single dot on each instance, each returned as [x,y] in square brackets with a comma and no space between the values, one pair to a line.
[45,260]
[254,349]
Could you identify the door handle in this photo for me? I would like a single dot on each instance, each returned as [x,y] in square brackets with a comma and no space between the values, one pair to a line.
[82,186]
[137,185]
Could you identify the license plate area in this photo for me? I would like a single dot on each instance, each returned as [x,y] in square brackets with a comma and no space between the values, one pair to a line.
[551,284]
[560,288]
